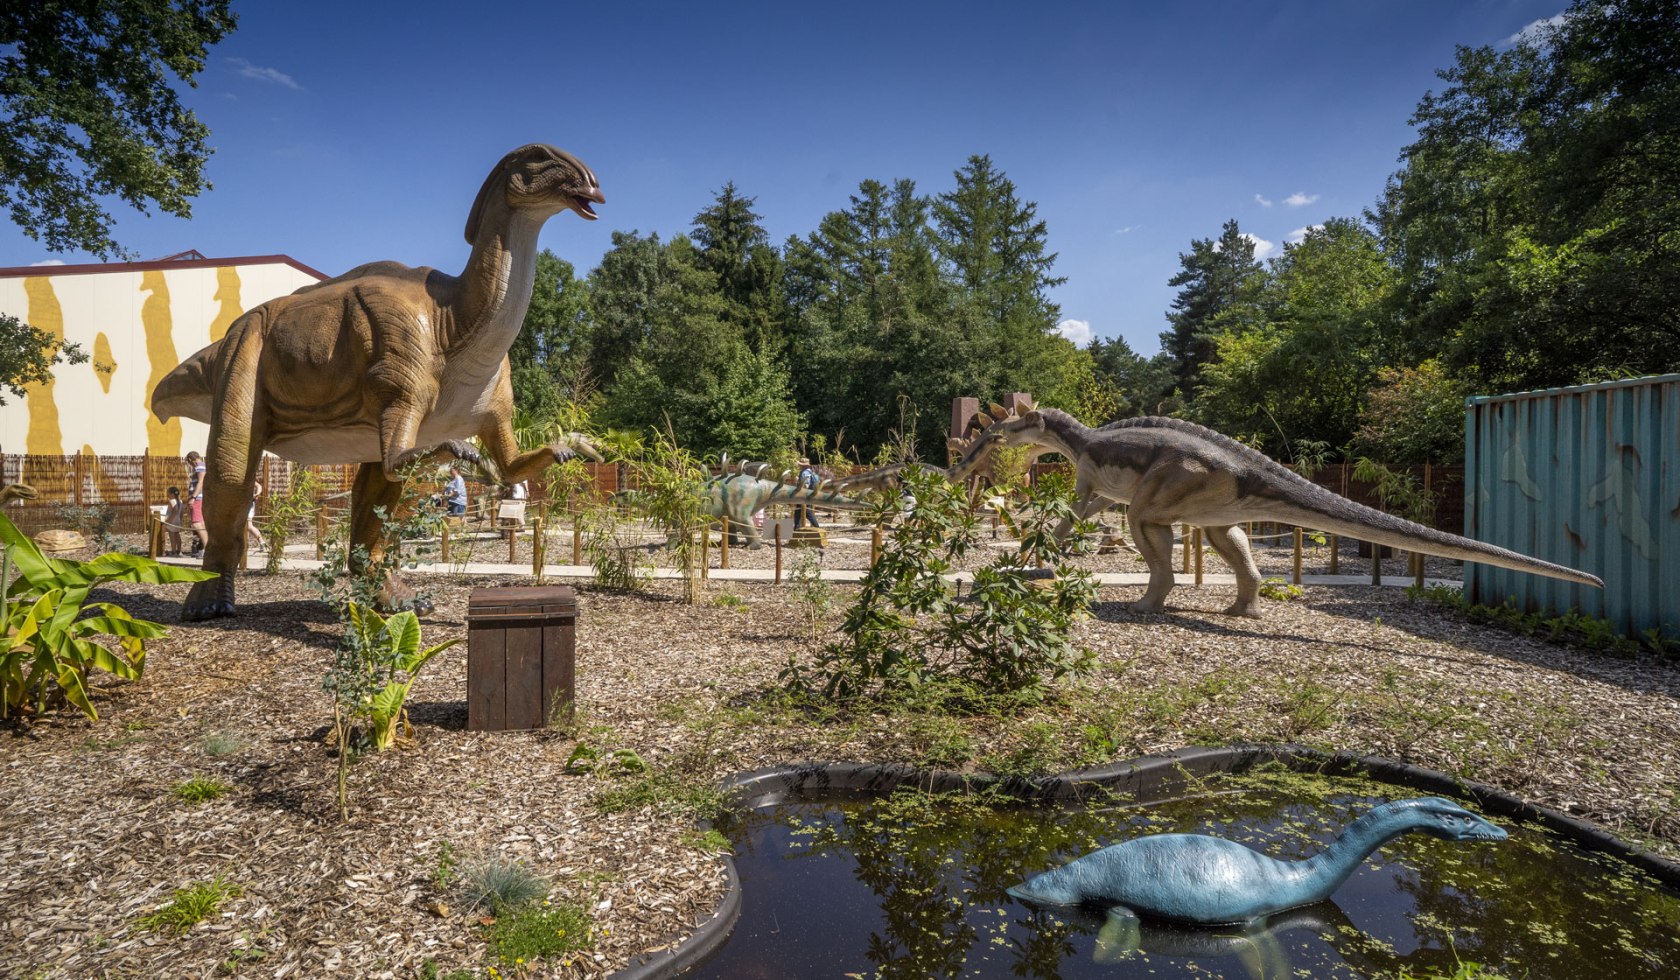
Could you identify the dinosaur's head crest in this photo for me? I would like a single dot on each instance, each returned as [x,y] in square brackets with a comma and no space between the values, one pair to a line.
[541,178]
[13,492]
[1447,820]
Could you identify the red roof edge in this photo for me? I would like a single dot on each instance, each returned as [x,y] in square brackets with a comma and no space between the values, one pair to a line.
[90,268]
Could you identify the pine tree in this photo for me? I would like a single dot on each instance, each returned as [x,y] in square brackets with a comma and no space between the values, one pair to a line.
[1217,276]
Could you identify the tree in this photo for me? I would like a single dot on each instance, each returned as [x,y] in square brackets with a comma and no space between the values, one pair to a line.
[1414,415]
[27,355]
[995,249]
[550,356]
[1145,384]
[90,112]
[1218,275]
[1296,364]
[735,247]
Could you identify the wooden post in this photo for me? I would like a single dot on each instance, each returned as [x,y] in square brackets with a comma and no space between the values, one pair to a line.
[154,534]
[1335,555]
[1184,536]
[513,545]
[875,545]
[443,542]
[577,538]
[1376,563]
[320,530]
[1198,538]
[1417,565]
[244,550]
[146,480]
[776,532]
[79,470]
[723,546]
[705,542]
[1297,578]
[539,549]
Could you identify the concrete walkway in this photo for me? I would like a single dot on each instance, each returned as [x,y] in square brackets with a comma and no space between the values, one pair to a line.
[768,575]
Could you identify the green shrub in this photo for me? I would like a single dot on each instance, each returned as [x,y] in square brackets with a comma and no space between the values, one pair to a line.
[200,790]
[47,644]
[374,668]
[496,884]
[532,932]
[907,627]
[191,905]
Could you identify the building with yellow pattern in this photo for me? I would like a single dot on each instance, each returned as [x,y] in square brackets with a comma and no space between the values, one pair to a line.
[137,320]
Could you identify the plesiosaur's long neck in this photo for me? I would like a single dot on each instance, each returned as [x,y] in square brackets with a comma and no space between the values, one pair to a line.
[1324,872]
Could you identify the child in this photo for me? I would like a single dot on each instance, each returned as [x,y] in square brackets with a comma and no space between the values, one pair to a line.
[195,508]
[172,520]
[251,529]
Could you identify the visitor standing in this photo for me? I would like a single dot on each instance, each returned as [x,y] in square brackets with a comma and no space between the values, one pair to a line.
[455,493]
[195,500]
[174,518]
[808,480]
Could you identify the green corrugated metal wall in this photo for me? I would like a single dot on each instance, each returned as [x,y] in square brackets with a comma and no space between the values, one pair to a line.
[1587,477]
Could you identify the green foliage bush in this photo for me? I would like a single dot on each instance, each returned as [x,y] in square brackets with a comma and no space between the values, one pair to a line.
[47,640]
[373,670]
[908,627]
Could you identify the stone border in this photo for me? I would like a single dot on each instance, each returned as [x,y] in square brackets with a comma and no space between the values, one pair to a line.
[1142,777]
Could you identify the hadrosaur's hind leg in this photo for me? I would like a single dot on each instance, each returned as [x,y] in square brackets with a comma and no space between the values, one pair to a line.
[368,537]
[1232,545]
[238,431]
[1155,542]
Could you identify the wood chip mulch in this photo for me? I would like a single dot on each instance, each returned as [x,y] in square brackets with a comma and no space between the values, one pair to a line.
[94,837]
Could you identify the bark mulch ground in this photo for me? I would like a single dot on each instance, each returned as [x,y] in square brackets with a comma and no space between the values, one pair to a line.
[96,836]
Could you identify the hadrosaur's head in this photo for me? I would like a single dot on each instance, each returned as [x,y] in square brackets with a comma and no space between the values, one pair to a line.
[13,492]
[537,177]
[1447,820]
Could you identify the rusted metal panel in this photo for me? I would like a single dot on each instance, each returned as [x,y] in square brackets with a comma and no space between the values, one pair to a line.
[1587,477]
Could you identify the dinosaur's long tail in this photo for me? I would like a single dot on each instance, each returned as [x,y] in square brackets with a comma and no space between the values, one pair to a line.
[1327,511]
[186,391]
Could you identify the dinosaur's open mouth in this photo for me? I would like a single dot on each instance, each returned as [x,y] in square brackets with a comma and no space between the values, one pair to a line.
[580,204]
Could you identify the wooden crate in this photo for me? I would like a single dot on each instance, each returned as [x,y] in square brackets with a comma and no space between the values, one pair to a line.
[521,657]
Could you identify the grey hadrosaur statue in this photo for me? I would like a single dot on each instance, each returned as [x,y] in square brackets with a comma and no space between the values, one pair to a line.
[1169,471]
[383,366]
[1204,880]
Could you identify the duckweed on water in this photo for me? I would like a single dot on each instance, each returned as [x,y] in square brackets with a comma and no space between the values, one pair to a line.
[912,885]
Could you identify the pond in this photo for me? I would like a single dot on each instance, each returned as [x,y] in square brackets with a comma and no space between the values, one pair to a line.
[912,885]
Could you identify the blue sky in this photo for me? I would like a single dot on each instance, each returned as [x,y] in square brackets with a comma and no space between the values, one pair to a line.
[349,132]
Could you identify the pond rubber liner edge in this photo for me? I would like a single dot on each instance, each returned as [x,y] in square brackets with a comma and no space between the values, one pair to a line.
[1142,777]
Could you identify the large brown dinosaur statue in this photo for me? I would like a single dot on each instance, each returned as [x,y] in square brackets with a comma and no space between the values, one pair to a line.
[1174,472]
[382,366]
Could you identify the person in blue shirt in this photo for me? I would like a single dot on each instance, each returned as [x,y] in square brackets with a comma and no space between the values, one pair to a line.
[455,492]
[807,479]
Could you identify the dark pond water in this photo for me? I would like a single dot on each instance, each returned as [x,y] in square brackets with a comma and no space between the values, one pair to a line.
[912,886]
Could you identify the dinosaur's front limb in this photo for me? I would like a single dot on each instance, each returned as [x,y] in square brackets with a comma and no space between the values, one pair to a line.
[1154,541]
[399,428]
[517,467]
[371,495]
[1232,545]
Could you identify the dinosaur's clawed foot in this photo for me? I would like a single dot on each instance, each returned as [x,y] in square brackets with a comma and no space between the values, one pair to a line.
[1249,610]
[210,599]
[396,596]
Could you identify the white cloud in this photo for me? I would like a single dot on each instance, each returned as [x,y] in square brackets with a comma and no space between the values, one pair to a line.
[1262,201]
[1127,230]
[1532,31]
[46,262]
[278,77]
[1299,198]
[1300,233]
[1262,248]
[1078,331]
